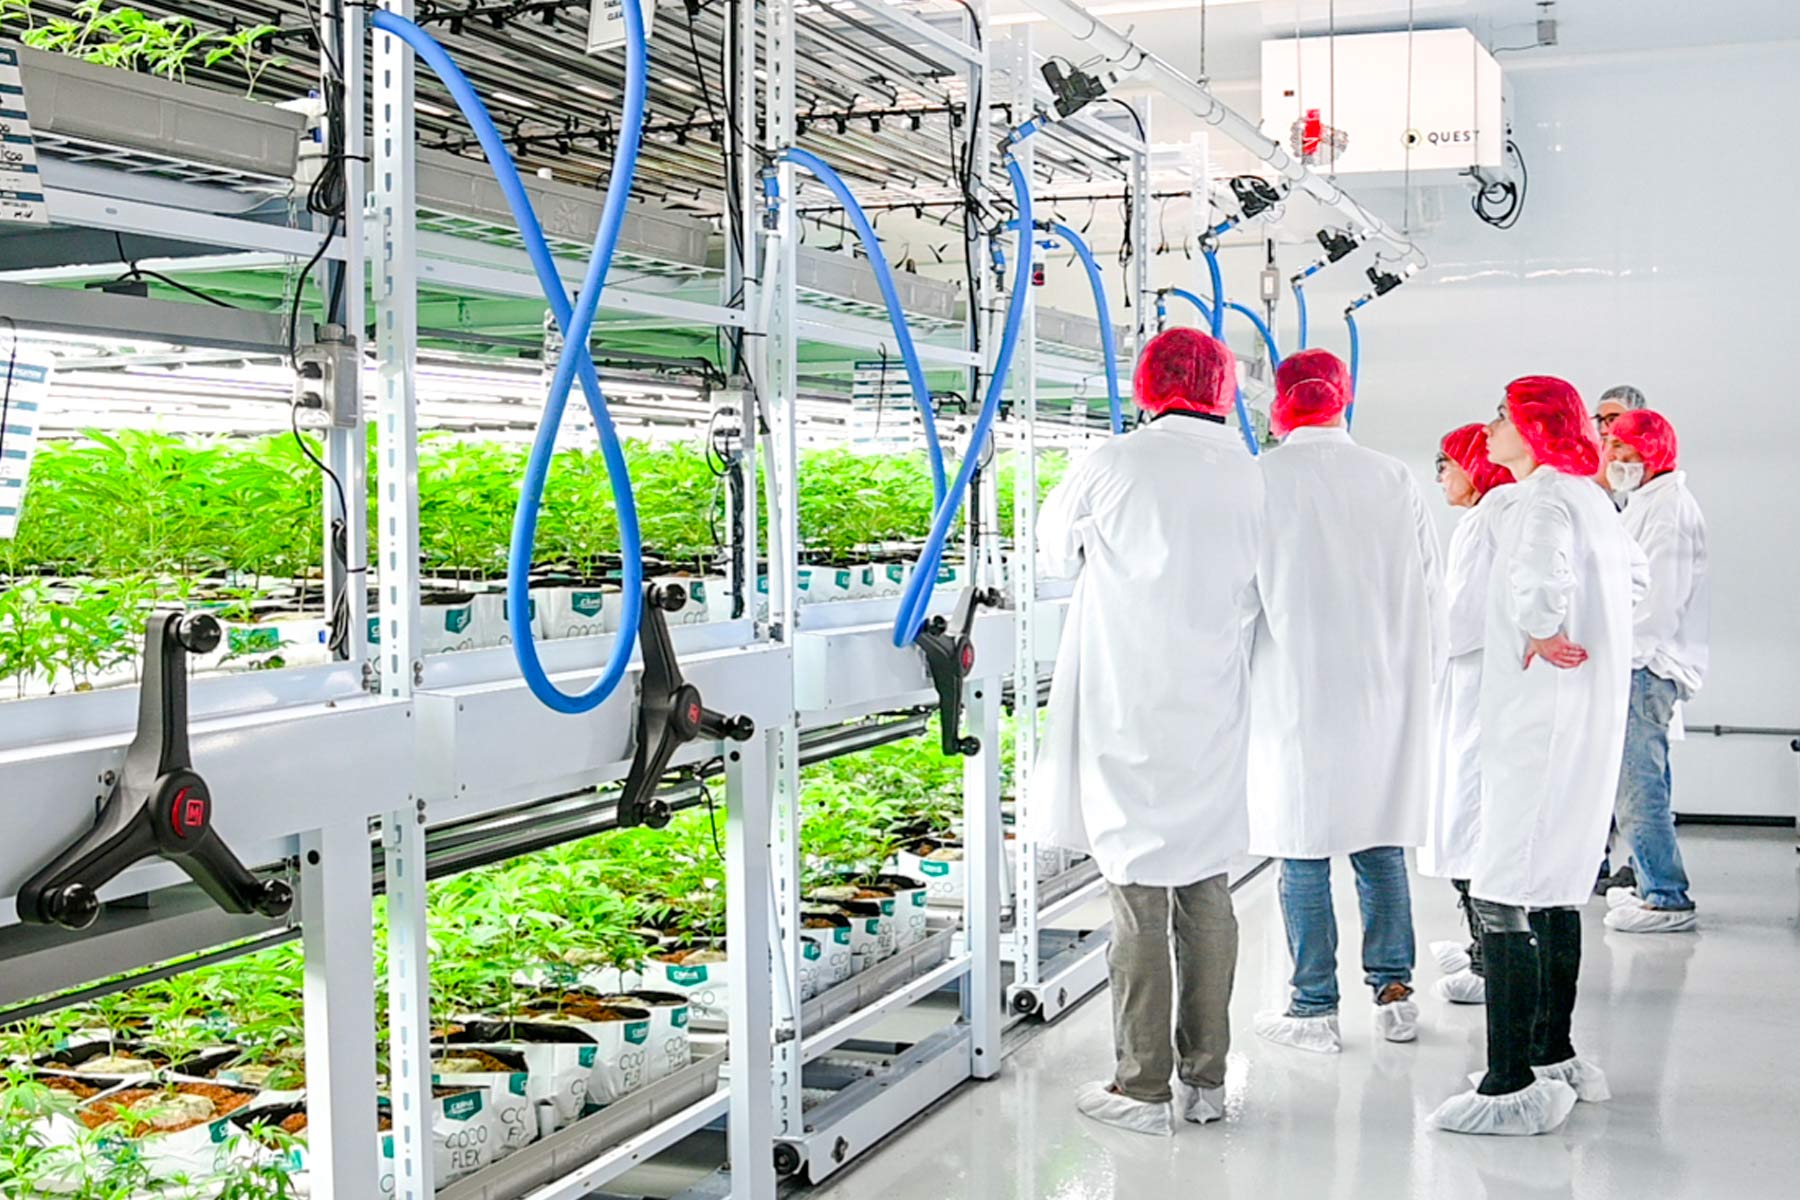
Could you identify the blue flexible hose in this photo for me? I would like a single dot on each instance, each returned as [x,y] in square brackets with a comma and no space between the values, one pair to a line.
[1300,304]
[1102,311]
[1355,363]
[916,599]
[819,169]
[576,322]
[1204,309]
[1268,337]
[1218,290]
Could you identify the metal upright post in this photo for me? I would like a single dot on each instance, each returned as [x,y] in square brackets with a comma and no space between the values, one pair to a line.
[402,665]
[347,449]
[781,383]
[339,996]
[749,781]
[982,846]
[1024,383]
[988,572]
[1143,302]
[740,34]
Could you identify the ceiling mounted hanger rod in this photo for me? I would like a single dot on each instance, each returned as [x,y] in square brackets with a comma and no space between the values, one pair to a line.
[1125,60]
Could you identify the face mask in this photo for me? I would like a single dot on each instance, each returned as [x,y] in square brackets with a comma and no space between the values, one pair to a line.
[1624,476]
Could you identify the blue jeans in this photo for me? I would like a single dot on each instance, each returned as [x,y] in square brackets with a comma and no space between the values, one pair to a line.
[1645,819]
[1386,902]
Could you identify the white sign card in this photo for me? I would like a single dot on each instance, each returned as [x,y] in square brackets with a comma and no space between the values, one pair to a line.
[24,395]
[21,187]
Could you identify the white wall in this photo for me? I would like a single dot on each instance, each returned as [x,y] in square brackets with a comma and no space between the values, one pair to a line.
[1658,248]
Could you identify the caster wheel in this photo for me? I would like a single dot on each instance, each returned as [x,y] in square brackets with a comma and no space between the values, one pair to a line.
[1024,1003]
[787,1160]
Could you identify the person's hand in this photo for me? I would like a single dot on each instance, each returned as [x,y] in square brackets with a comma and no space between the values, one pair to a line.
[1557,650]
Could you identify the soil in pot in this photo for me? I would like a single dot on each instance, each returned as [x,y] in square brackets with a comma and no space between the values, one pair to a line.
[168,1109]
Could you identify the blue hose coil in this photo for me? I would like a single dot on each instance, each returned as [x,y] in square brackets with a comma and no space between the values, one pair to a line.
[576,323]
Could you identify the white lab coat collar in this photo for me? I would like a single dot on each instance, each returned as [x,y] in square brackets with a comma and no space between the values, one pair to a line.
[1318,433]
[1196,426]
[1667,481]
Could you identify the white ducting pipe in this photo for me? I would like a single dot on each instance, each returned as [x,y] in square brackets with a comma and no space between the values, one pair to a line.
[1125,59]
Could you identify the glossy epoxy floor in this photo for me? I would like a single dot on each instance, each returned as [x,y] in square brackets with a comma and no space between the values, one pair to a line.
[1699,1034]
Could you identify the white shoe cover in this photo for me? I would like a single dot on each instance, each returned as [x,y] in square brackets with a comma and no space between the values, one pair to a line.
[1540,1108]
[1099,1101]
[1635,918]
[1451,956]
[1200,1105]
[1621,897]
[1464,987]
[1398,1021]
[1586,1077]
[1317,1034]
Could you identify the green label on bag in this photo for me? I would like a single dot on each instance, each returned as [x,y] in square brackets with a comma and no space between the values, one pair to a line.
[457,619]
[887,907]
[841,936]
[843,580]
[687,976]
[872,927]
[918,899]
[516,1083]
[811,949]
[697,592]
[679,1017]
[946,574]
[587,604]
[530,610]
[387,1145]
[219,1131]
[374,631]
[637,1032]
[868,576]
[934,869]
[762,585]
[463,1107]
[587,1055]
[258,640]
[896,573]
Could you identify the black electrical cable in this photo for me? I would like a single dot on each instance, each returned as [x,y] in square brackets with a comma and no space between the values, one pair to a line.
[1501,202]
[134,272]
[338,641]
[1135,119]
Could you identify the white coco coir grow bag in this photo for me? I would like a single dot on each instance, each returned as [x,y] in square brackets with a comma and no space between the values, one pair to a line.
[670,1047]
[504,1075]
[466,1133]
[703,975]
[621,1037]
[559,1063]
[826,959]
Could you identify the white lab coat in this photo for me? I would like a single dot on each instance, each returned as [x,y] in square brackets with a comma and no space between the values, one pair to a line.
[1454,821]
[1143,759]
[1673,622]
[1552,740]
[1348,650]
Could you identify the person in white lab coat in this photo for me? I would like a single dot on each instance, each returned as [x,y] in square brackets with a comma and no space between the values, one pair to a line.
[1668,660]
[1474,484]
[1555,674]
[1348,652]
[1143,759]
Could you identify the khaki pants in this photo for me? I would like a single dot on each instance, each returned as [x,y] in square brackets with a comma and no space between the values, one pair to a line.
[1194,930]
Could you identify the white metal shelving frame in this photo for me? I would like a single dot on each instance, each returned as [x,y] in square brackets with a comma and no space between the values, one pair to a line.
[305,762]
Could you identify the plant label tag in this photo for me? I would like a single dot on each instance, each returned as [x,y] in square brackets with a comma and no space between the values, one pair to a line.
[24,394]
[21,187]
[606,24]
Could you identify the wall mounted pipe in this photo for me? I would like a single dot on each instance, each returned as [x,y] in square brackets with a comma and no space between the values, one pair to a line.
[1125,59]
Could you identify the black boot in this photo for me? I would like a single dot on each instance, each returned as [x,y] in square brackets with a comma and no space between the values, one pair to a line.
[1558,932]
[1512,995]
[1474,922]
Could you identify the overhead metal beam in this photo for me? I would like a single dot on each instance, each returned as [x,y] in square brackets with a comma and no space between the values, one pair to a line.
[94,313]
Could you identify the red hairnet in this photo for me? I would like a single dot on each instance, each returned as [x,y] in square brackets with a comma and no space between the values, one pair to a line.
[1549,415]
[1467,448]
[1185,369]
[1312,387]
[1651,435]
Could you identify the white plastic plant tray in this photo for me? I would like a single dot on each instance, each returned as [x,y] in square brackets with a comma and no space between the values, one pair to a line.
[554,1157]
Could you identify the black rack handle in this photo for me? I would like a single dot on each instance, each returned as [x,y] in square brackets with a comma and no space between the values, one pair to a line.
[159,805]
[671,713]
[950,657]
